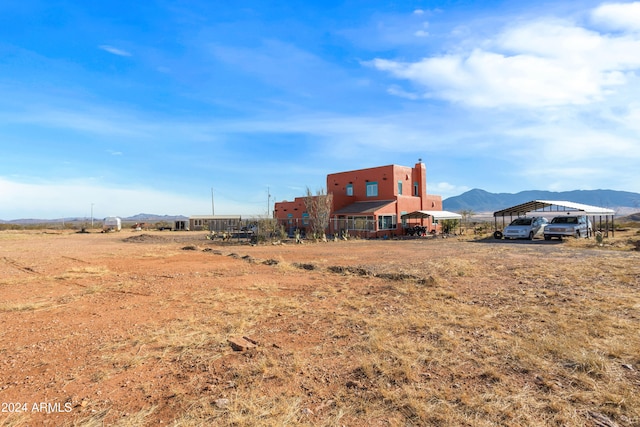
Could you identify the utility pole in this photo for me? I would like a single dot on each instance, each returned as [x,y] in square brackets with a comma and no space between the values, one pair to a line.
[268,201]
[213,210]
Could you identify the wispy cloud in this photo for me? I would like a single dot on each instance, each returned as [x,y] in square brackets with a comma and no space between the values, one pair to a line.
[114,50]
[398,91]
[78,118]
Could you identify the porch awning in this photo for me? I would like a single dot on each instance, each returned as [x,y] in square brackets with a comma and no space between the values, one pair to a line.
[368,208]
[433,214]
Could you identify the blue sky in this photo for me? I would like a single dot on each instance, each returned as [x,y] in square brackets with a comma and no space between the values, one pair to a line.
[136,107]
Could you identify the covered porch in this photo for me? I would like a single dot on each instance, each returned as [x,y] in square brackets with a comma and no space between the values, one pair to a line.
[431,217]
[366,219]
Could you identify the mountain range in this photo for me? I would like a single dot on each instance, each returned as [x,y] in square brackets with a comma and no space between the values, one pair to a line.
[479,200]
[476,200]
[141,217]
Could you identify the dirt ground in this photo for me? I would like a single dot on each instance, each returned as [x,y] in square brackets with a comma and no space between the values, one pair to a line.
[138,329]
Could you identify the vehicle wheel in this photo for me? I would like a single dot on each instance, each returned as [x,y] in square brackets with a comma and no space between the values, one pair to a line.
[531,235]
[578,234]
[497,235]
[547,237]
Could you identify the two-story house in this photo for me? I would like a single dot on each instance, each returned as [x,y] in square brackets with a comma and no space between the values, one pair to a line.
[369,202]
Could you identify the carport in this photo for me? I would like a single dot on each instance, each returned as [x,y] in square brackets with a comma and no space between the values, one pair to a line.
[436,215]
[556,208]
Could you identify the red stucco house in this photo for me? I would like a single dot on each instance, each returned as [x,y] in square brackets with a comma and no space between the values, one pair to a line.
[369,202]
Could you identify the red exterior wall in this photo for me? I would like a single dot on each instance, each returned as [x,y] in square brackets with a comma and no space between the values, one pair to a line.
[290,214]
[413,195]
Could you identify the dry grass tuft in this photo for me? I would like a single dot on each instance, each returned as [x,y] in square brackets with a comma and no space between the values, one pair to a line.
[26,306]
[14,420]
[83,272]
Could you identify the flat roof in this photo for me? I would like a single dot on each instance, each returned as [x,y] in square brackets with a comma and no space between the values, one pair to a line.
[553,206]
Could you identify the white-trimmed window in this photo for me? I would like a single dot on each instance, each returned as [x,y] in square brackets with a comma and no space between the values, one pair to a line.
[349,189]
[372,189]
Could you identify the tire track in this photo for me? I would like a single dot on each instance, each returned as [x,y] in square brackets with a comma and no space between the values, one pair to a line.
[15,264]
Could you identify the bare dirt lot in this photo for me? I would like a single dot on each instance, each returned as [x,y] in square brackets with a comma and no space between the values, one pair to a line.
[162,328]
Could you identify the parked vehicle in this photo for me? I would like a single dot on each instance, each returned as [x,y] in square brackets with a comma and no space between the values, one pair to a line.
[416,230]
[525,228]
[568,226]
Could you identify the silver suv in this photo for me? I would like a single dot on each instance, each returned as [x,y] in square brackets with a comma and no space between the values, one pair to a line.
[568,226]
[525,228]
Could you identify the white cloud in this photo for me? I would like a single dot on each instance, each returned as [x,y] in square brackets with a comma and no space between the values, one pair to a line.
[535,64]
[446,189]
[114,50]
[631,118]
[52,200]
[618,16]
[572,154]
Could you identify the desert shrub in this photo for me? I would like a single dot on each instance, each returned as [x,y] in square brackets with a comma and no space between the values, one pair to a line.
[450,225]
[268,229]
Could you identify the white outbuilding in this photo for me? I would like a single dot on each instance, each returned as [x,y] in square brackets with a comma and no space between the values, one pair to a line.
[112,223]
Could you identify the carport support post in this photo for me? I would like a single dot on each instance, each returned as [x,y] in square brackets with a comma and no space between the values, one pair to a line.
[600,227]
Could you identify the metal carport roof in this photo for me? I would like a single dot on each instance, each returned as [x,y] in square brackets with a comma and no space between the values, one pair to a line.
[539,206]
[433,214]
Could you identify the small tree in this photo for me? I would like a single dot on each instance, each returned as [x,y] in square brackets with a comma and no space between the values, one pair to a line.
[466,215]
[319,209]
[449,225]
[268,229]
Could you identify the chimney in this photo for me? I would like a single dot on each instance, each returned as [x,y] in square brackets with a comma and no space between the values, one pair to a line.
[420,176]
